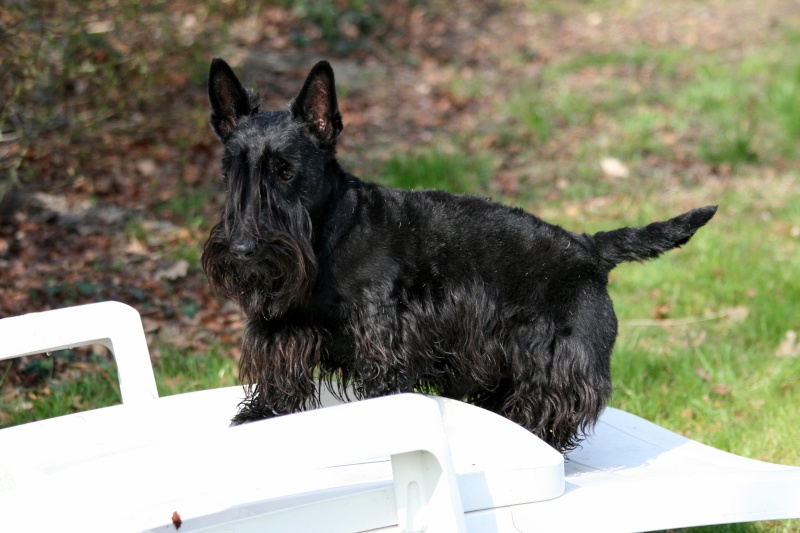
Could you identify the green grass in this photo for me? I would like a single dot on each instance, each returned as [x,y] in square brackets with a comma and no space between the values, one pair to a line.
[179,371]
[188,206]
[90,383]
[435,169]
[468,86]
[671,103]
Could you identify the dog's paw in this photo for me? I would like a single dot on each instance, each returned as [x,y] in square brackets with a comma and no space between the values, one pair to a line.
[250,413]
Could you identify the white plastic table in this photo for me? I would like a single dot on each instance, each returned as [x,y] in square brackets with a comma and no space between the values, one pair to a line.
[400,463]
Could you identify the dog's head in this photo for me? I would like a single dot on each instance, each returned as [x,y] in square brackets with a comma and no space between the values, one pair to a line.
[261,253]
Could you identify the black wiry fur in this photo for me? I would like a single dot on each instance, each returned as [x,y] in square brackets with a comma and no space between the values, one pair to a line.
[349,284]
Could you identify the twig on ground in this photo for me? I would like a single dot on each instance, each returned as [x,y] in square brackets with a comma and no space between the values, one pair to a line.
[734,314]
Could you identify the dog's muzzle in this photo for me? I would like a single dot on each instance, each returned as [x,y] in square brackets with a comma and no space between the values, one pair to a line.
[244,248]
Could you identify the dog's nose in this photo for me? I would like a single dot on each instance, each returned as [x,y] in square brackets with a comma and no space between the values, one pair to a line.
[244,248]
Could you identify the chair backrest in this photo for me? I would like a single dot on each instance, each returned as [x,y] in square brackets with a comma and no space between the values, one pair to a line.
[114,325]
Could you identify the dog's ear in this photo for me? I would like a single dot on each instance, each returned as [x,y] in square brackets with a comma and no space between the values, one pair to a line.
[316,105]
[229,100]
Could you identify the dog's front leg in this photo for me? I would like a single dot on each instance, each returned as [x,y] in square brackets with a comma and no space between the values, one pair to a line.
[279,357]
[380,365]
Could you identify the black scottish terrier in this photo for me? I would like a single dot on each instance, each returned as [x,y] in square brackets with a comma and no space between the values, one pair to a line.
[376,291]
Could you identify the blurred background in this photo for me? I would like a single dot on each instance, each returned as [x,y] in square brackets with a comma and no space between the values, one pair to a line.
[591,114]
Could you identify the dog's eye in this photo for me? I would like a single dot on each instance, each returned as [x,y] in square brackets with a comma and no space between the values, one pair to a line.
[281,171]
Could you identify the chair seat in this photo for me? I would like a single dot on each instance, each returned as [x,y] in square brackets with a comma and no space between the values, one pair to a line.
[111,459]
[400,463]
[633,475]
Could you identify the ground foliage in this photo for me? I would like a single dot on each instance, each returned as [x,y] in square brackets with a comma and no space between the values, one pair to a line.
[109,178]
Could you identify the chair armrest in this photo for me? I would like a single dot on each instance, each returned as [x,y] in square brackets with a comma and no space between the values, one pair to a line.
[114,325]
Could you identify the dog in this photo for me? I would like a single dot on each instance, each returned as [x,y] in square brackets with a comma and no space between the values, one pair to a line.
[371,291]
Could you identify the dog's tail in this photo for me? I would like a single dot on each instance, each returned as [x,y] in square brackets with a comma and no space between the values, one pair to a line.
[648,242]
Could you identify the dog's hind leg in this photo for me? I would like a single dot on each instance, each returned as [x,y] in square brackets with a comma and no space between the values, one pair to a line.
[560,378]
[558,407]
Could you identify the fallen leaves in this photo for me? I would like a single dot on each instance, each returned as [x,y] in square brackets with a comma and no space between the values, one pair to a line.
[736,314]
[177,270]
[614,168]
[789,347]
[719,389]
[661,312]
[702,373]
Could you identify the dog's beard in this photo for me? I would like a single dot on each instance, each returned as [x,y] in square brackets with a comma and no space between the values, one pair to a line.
[278,278]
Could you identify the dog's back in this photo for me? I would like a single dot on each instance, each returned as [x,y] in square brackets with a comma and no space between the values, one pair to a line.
[460,236]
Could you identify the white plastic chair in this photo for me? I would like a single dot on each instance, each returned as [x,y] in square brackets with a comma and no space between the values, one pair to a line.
[401,463]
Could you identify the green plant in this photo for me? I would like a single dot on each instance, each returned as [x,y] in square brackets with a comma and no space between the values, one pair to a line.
[530,109]
[437,170]
[783,94]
